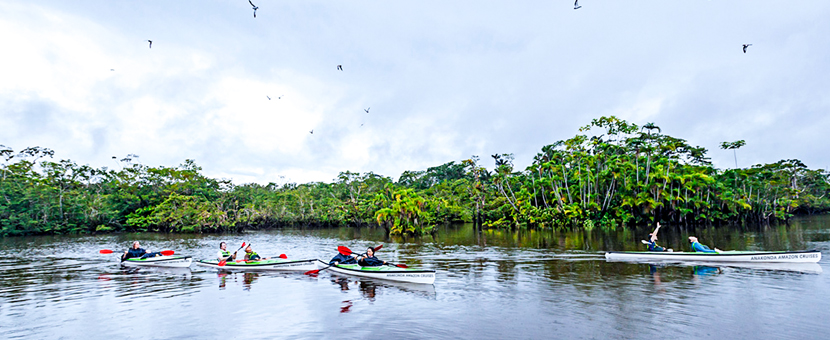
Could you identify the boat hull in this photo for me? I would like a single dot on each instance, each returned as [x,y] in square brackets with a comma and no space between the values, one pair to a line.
[810,256]
[267,265]
[160,261]
[383,273]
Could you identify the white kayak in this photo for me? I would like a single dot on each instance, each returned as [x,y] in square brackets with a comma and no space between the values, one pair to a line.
[392,273]
[160,261]
[265,265]
[808,256]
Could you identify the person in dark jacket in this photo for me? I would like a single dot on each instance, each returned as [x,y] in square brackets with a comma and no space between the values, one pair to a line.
[343,259]
[369,260]
[137,252]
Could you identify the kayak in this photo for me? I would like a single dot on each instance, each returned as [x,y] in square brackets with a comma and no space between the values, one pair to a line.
[160,261]
[798,267]
[271,264]
[807,256]
[392,273]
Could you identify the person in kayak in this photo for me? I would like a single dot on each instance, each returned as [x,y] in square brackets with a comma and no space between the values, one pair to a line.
[369,259]
[697,247]
[252,256]
[343,259]
[652,241]
[137,252]
[224,254]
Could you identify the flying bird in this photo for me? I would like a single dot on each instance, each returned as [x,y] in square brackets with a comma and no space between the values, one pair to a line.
[269,98]
[576,5]
[112,69]
[311,132]
[254,6]
[745,46]
[361,124]
[367,110]
[280,97]
[151,43]
[340,67]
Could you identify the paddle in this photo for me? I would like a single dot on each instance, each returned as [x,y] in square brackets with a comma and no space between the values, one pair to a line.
[397,265]
[342,250]
[163,252]
[223,262]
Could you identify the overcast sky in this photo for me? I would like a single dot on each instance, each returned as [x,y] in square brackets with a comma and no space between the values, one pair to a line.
[443,80]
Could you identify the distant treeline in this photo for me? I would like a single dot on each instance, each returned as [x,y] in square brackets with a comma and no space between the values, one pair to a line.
[626,175]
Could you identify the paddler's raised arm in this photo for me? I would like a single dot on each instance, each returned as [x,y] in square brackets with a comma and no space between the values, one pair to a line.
[654,234]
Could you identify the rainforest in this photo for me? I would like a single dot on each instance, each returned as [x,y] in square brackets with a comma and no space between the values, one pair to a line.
[612,174]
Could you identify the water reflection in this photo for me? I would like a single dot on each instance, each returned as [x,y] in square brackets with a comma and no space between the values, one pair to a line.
[248,279]
[552,282]
[369,289]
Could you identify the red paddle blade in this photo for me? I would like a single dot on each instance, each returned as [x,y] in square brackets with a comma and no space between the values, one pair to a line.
[242,246]
[105,251]
[282,256]
[378,247]
[312,272]
[401,265]
[343,250]
[167,252]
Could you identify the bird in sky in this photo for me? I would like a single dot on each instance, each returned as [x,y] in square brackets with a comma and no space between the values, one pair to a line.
[367,110]
[745,46]
[280,97]
[340,67]
[151,43]
[361,124]
[254,6]
[576,5]
[269,98]
[112,69]
[311,132]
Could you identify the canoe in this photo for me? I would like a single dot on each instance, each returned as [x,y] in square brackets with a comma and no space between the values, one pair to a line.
[271,264]
[724,256]
[391,273]
[160,261]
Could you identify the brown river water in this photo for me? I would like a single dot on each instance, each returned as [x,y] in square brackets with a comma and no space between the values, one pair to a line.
[489,284]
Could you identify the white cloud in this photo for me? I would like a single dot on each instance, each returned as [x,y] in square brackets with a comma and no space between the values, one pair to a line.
[444,80]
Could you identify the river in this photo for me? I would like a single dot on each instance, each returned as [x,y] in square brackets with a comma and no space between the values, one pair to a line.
[489,284]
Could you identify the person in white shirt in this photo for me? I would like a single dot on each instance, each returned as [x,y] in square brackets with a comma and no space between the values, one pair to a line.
[224,254]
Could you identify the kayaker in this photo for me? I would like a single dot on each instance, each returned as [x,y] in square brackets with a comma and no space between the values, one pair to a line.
[252,256]
[137,252]
[343,259]
[369,260]
[697,247]
[652,242]
[224,254]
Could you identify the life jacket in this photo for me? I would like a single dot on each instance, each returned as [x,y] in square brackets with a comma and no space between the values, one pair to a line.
[226,253]
[131,253]
[370,262]
[697,247]
[252,256]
